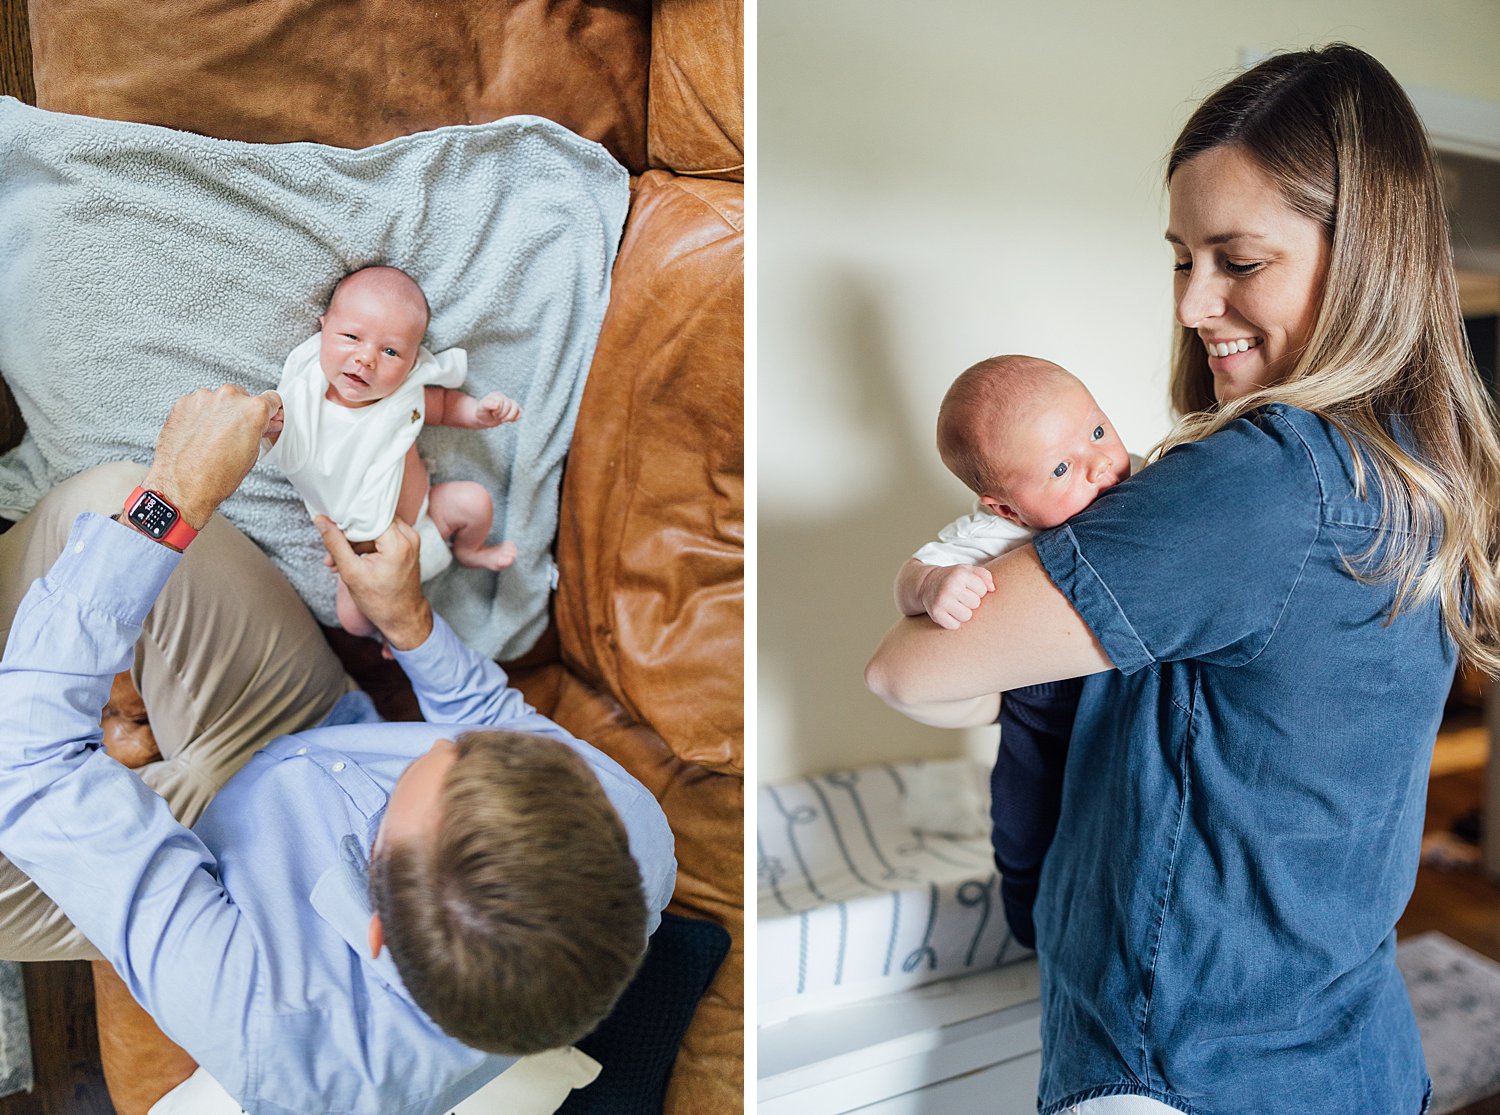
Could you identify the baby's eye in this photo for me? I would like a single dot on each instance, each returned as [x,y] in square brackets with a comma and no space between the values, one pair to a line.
[1060,469]
[1098,432]
[349,336]
[389,351]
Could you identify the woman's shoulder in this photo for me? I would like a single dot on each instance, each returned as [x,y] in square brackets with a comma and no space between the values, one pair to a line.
[1294,450]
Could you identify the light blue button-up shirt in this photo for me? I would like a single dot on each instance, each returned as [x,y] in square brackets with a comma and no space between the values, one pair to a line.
[246,936]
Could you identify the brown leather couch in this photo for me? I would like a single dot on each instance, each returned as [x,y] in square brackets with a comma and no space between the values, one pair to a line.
[644,656]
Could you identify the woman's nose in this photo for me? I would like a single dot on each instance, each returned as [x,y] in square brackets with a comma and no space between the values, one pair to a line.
[1199,300]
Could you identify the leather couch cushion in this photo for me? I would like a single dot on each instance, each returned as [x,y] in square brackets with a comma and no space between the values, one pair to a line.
[696,122]
[651,547]
[344,74]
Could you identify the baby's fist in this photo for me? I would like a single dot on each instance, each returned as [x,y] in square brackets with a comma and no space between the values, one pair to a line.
[952,593]
[497,408]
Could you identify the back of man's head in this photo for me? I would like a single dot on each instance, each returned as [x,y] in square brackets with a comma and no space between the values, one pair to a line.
[519,926]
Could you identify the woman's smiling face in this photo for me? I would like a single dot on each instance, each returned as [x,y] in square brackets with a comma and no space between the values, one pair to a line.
[1250,269]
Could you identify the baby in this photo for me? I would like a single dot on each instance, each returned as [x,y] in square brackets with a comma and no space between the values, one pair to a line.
[354,397]
[1031,443]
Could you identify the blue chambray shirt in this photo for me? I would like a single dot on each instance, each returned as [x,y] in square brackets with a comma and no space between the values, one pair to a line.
[1243,801]
[246,936]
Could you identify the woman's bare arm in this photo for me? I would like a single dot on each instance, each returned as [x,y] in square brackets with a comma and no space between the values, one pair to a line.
[1023,633]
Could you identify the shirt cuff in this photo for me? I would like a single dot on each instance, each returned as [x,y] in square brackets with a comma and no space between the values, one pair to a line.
[112,568]
[1076,579]
[436,653]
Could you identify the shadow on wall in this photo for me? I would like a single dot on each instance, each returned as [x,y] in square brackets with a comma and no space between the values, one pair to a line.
[825,580]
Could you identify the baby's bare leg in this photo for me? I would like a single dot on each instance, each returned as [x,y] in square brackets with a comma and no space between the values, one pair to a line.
[413,488]
[462,511]
[351,619]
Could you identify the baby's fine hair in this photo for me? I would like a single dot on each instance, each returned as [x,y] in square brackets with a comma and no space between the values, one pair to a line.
[393,279]
[980,408]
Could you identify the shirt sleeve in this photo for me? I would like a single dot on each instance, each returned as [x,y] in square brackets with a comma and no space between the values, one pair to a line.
[455,684]
[141,886]
[1198,556]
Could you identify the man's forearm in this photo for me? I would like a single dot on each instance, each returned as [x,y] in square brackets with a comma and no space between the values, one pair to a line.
[455,684]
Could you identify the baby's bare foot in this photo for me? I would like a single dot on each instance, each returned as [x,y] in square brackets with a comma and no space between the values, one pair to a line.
[493,558]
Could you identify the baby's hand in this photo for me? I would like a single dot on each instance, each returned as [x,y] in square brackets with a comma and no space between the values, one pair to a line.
[951,593]
[496,409]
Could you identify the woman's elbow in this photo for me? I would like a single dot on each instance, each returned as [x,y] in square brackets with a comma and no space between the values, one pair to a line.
[883,679]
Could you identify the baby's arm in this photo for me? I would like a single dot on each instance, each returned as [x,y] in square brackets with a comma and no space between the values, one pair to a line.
[947,593]
[447,406]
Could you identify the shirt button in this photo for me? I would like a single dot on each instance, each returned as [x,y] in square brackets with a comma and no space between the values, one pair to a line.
[78,547]
[337,767]
[301,751]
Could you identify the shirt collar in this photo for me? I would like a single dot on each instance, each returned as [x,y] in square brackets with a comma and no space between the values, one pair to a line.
[341,897]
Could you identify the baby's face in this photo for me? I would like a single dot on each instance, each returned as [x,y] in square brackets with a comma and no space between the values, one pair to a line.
[371,339]
[1062,455]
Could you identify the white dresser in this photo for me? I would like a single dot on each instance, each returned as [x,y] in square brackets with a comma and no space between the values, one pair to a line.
[971,1043]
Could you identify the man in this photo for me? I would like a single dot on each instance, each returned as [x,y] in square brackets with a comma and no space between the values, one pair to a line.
[515,871]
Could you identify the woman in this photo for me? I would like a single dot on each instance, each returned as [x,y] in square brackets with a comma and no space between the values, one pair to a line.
[1283,597]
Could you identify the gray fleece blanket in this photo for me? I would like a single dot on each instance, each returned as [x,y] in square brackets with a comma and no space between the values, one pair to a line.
[137,263]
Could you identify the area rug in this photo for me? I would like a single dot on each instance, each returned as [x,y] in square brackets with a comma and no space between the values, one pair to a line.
[1456,995]
[15,1035]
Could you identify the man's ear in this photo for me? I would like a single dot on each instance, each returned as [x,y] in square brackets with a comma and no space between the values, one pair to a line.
[377,937]
[1004,510]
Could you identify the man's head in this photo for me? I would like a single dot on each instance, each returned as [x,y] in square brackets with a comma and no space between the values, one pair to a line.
[1027,438]
[504,887]
[372,334]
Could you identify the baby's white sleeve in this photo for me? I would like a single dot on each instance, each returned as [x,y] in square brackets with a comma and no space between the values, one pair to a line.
[973,539]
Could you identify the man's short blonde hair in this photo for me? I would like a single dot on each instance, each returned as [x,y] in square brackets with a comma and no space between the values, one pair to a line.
[521,924]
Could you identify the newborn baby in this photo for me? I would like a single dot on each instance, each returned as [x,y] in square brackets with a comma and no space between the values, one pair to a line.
[1028,439]
[354,397]
[1031,443]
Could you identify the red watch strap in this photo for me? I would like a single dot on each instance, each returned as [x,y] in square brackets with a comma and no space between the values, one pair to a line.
[178,535]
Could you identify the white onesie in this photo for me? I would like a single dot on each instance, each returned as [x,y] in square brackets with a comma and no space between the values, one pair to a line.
[974,538]
[347,462]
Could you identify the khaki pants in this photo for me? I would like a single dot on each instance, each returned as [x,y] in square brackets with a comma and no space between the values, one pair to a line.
[229,659]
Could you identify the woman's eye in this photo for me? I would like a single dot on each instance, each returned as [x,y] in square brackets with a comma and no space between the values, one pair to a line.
[1182,265]
[1240,268]
[1060,469]
[1098,432]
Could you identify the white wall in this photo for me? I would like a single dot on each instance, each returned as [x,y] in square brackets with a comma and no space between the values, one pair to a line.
[940,182]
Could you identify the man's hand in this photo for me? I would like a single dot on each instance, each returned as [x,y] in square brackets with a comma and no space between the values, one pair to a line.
[951,593]
[386,584]
[496,409]
[210,440]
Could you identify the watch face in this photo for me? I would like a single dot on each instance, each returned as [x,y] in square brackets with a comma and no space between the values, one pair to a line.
[153,515]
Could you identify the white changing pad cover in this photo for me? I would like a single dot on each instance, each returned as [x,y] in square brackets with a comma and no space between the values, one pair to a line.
[855,902]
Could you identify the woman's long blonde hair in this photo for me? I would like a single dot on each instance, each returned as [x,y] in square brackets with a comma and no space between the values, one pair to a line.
[1388,357]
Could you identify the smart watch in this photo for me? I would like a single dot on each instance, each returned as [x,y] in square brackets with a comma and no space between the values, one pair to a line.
[152,514]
